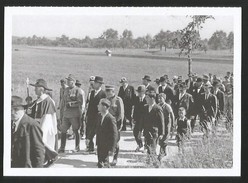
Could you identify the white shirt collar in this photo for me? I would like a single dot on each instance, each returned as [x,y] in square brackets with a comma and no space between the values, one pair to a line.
[182,118]
[150,107]
[147,85]
[97,91]
[18,122]
[41,98]
[164,86]
[124,87]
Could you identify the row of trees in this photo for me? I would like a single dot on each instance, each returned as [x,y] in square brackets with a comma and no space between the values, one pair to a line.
[111,39]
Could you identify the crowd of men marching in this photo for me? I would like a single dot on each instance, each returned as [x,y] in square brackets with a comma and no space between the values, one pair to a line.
[155,112]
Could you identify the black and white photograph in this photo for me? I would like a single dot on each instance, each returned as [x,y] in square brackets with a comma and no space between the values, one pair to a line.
[122,91]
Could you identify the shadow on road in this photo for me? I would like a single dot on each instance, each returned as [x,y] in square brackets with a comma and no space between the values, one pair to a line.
[77,163]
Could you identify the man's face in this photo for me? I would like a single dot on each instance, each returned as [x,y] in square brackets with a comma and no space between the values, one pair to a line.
[205,80]
[91,84]
[182,89]
[62,84]
[141,94]
[198,84]
[38,90]
[70,83]
[96,85]
[110,93]
[163,83]
[123,83]
[144,82]
[101,108]
[16,113]
[161,100]
[174,80]
[149,100]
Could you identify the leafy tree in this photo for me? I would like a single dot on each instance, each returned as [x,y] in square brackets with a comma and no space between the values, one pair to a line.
[190,36]
[218,40]
[230,41]
[148,41]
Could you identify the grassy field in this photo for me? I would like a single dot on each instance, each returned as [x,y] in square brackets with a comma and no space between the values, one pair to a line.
[52,65]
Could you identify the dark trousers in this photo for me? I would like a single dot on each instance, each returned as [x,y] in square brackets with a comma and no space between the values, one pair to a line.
[103,157]
[77,139]
[90,133]
[151,143]
[83,126]
[117,148]
[128,111]
[136,135]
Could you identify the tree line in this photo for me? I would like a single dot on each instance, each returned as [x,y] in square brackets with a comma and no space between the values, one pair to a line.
[111,39]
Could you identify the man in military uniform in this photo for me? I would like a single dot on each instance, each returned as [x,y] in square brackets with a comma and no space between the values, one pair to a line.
[117,110]
[73,98]
[127,94]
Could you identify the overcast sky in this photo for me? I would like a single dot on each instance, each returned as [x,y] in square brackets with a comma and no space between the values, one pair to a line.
[79,26]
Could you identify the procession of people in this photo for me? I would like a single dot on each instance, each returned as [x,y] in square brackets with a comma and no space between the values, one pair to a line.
[154,112]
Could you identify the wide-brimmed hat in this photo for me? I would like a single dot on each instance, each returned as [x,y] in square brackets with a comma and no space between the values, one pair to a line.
[99,79]
[109,87]
[205,77]
[141,88]
[216,83]
[71,77]
[208,84]
[41,83]
[17,101]
[199,79]
[123,79]
[146,77]
[78,83]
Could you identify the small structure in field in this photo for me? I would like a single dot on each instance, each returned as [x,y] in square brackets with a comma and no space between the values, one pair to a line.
[108,53]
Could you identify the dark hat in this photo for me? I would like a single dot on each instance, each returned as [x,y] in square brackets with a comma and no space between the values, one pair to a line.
[123,79]
[157,80]
[199,79]
[166,76]
[182,85]
[141,88]
[92,78]
[162,79]
[208,84]
[99,79]
[41,83]
[62,81]
[147,78]
[78,83]
[109,87]
[17,102]
[226,77]
[105,102]
[71,77]
[216,83]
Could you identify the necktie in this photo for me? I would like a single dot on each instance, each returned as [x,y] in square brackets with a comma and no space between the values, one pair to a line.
[13,127]
[92,95]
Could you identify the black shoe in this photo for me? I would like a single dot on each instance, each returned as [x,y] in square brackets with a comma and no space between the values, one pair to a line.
[49,163]
[61,150]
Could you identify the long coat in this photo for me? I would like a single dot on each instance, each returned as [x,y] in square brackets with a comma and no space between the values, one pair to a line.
[187,102]
[209,105]
[220,100]
[197,100]
[127,97]
[152,122]
[28,150]
[139,107]
[169,94]
[106,134]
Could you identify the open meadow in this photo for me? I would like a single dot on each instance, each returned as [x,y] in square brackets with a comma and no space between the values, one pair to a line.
[53,64]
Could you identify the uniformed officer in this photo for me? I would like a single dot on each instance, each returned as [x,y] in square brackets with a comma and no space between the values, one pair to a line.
[117,110]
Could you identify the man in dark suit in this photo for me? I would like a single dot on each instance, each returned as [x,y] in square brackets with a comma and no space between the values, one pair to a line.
[197,91]
[167,90]
[220,99]
[106,134]
[127,94]
[146,80]
[139,106]
[184,99]
[92,112]
[152,123]
[209,109]
[27,147]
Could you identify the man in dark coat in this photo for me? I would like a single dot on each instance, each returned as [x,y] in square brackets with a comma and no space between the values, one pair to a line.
[127,94]
[209,109]
[106,134]
[139,106]
[167,90]
[220,99]
[152,123]
[27,147]
[196,93]
[146,80]
[92,112]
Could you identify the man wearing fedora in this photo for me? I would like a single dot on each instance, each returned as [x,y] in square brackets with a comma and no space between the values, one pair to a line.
[146,80]
[92,112]
[27,147]
[127,94]
[167,90]
[44,111]
[209,109]
[106,134]
[82,127]
[117,110]
[139,106]
[73,98]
